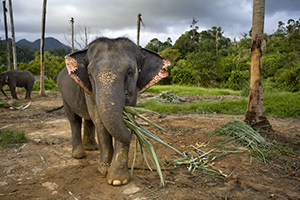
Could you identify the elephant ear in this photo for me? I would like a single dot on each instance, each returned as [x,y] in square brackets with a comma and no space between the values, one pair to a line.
[152,69]
[76,64]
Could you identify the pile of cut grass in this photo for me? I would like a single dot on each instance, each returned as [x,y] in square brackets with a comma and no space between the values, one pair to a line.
[240,133]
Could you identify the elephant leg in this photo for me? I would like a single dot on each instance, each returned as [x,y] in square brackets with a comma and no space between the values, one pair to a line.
[118,173]
[13,92]
[75,123]
[106,149]
[28,92]
[89,142]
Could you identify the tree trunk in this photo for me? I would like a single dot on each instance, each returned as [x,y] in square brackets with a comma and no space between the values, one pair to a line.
[85,37]
[255,115]
[6,36]
[138,29]
[13,43]
[42,50]
[217,44]
[72,32]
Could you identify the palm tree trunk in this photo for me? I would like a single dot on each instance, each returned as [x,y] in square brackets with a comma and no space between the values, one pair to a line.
[6,36]
[13,43]
[72,33]
[256,115]
[42,50]
[138,29]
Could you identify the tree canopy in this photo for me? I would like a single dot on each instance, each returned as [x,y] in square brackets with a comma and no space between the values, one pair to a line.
[210,59]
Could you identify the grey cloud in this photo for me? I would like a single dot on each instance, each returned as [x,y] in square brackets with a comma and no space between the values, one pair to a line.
[161,17]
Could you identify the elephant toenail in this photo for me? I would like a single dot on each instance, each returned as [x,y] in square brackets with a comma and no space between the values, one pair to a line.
[116,182]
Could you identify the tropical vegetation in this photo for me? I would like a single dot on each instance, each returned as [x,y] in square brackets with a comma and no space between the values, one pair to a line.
[203,58]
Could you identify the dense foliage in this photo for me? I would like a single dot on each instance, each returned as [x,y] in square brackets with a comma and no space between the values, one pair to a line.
[205,58]
[30,61]
[209,59]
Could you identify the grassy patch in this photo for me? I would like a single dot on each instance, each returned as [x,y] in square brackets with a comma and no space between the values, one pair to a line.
[191,90]
[225,107]
[9,137]
[277,103]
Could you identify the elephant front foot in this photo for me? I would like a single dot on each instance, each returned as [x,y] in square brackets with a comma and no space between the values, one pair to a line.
[79,152]
[118,175]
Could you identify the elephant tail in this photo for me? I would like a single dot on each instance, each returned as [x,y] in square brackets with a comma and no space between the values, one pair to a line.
[54,109]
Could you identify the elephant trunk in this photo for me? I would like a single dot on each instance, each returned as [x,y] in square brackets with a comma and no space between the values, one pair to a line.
[111,102]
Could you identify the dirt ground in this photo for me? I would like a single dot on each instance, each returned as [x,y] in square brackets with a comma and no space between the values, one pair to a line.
[44,169]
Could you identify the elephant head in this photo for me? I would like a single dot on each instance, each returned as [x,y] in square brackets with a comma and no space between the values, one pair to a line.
[112,71]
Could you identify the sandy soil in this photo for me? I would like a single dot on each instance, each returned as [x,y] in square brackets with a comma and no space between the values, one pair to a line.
[44,169]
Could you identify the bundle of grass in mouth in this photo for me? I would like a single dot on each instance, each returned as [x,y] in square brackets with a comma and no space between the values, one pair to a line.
[141,138]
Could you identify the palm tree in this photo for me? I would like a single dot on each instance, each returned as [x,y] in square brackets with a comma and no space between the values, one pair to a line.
[72,32]
[13,43]
[6,36]
[139,19]
[42,50]
[256,115]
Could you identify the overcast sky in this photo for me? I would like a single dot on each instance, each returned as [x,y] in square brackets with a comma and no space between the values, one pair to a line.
[162,18]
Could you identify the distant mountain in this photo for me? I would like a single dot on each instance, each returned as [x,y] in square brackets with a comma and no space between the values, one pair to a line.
[50,43]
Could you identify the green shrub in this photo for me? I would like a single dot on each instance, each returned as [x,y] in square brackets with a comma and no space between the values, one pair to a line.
[49,84]
[237,79]
[288,79]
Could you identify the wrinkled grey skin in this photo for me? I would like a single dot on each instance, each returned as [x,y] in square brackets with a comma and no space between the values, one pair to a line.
[17,78]
[110,73]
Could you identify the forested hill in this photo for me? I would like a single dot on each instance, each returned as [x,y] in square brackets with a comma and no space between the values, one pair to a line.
[50,43]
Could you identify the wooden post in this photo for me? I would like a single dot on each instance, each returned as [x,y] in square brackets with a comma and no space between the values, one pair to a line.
[138,29]
[13,43]
[72,32]
[42,50]
[6,36]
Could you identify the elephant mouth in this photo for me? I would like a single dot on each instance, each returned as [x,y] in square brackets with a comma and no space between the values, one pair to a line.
[161,74]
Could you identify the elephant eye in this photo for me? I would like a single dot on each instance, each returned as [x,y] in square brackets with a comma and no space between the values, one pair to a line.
[130,71]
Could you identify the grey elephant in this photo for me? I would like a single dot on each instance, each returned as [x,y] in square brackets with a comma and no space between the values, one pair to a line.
[96,85]
[17,78]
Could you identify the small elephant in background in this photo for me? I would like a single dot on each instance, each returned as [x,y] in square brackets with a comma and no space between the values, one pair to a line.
[96,85]
[17,78]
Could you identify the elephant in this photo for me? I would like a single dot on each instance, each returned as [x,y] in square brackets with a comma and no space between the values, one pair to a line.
[17,78]
[96,85]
